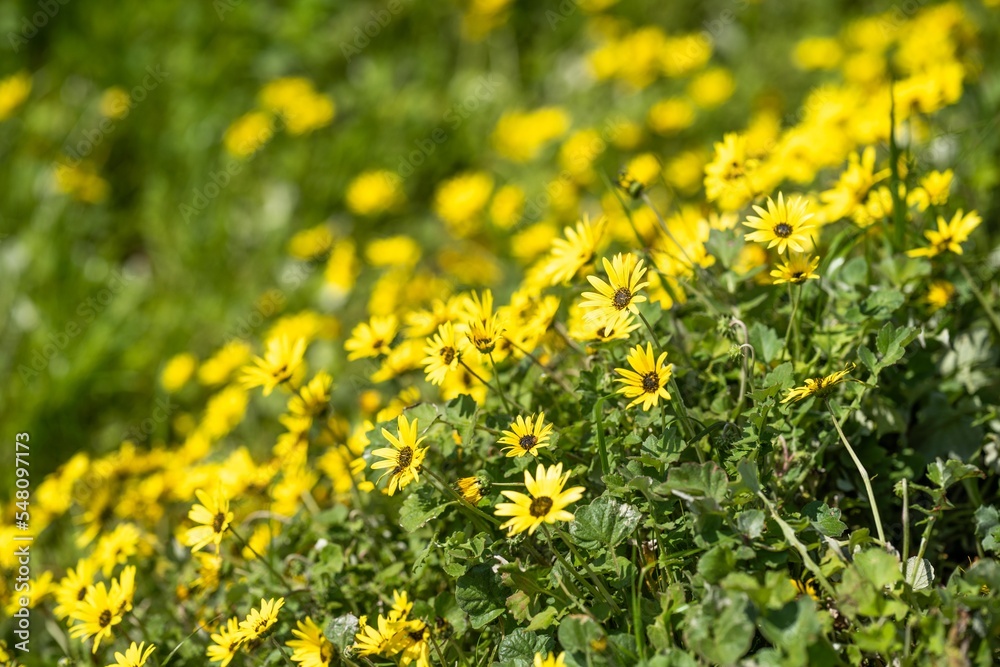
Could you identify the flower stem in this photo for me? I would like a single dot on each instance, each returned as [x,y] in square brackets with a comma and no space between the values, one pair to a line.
[496,376]
[263,560]
[551,372]
[576,573]
[679,408]
[864,473]
[593,575]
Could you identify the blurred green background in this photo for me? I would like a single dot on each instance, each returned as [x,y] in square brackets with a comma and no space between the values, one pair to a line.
[95,297]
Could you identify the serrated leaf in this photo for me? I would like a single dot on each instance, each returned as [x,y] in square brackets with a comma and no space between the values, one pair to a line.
[748,475]
[698,479]
[604,522]
[867,357]
[952,471]
[520,647]
[341,630]
[576,632]
[988,527]
[825,519]
[878,567]
[480,595]
[882,303]
[420,507]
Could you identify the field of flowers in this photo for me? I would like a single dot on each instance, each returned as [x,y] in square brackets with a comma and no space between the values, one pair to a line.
[500,334]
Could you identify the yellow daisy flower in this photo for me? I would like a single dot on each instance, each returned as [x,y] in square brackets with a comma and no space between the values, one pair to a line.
[226,643]
[818,386]
[404,458]
[546,504]
[786,225]
[471,488]
[613,301]
[214,516]
[134,656]
[939,293]
[796,270]
[444,351]
[372,338]
[312,648]
[571,254]
[282,359]
[551,660]
[259,621]
[96,615]
[526,436]
[949,235]
[806,588]
[646,382]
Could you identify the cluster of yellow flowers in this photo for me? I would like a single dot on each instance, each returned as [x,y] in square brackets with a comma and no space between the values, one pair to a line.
[290,102]
[438,332]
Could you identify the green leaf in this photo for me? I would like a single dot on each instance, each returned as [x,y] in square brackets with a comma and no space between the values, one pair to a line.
[576,633]
[420,507]
[341,630]
[867,357]
[952,471]
[480,595]
[882,303]
[604,522]
[919,573]
[765,342]
[891,342]
[520,646]
[751,523]
[878,567]
[716,563]
[706,480]
[748,475]
[988,527]
[825,519]
[720,629]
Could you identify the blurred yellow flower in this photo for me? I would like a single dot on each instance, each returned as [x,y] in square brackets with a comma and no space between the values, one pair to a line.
[671,115]
[939,294]
[13,91]
[82,182]
[712,87]
[311,243]
[177,371]
[460,201]
[520,135]
[248,133]
[373,193]
[814,53]
[115,103]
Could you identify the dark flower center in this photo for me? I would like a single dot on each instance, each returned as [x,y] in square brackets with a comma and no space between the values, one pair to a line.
[651,383]
[218,522]
[405,458]
[622,298]
[797,275]
[416,635]
[105,618]
[540,506]
[447,354]
[82,594]
[783,230]
[527,442]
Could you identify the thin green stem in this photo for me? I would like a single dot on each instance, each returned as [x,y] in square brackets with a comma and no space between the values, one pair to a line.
[462,503]
[593,575]
[496,376]
[861,469]
[562,561]
[551,372]
[793,540]
[280,577]
[284,653]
